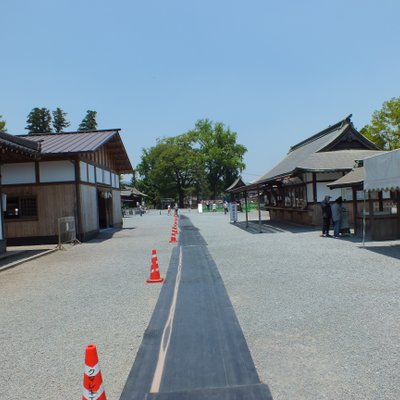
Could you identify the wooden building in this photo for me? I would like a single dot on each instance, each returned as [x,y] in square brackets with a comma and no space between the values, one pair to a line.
[75,174]
[375,184]
[13,150]
[131,198]
[293,189]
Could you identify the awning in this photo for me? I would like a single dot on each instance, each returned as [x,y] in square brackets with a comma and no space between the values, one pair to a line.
[382,172]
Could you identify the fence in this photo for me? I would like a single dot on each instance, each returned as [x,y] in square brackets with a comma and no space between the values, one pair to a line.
[66,231]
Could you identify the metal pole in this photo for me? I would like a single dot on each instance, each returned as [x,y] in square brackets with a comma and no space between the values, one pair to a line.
[363,242]
[245,204]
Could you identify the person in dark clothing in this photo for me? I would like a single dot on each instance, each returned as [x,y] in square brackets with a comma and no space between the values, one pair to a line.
[326,216]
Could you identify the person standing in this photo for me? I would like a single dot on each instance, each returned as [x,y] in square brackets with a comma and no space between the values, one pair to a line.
[326,216]
[337,216]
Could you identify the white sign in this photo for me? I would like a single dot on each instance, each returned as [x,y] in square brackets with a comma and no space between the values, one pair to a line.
[233,212]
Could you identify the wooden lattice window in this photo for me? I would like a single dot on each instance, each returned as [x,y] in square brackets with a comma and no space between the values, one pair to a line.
[21,207]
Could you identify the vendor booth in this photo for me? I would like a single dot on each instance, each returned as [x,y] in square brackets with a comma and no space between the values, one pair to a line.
[382,186]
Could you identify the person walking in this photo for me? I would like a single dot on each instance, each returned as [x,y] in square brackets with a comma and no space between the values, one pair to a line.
[336,209]
[326,216]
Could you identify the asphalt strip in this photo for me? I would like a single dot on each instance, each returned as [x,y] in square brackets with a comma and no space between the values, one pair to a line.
[194,347]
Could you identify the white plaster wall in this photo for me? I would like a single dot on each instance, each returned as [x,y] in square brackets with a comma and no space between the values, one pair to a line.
[18,173]
[84,171]
[323,190]
[310,198]
[99,175]
[91,177]
[56,171]
[107,177]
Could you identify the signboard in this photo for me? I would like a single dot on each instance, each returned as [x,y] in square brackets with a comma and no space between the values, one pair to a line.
[233,212]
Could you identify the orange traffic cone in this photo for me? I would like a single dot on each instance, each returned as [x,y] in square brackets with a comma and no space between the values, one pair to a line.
[173,236]
[154,271]
[92,381]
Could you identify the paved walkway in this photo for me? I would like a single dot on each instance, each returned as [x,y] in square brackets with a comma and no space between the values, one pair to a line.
[194,347]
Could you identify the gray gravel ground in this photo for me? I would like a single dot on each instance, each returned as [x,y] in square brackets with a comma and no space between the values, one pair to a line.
[52,307]
[320,315]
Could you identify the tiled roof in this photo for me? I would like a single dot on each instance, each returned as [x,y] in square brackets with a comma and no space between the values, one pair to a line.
[129,190]
[18,144]
[313,153]
[353,178]
[340,160]
[237,183]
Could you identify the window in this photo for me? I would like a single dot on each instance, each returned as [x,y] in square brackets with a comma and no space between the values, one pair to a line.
[21,207]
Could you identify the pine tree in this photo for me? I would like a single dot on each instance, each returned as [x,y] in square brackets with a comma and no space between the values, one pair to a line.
[39,121]
[89,122]
[60,121]
[2,125]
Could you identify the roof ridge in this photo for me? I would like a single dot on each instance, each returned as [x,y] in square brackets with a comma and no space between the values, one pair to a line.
[68,133]
[322,133]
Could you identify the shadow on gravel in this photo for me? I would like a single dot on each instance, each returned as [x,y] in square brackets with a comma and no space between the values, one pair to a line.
[390,251]
[12,257]
[253,226]
[111,233]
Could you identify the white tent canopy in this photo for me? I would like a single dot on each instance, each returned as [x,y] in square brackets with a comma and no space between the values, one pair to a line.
[382,172]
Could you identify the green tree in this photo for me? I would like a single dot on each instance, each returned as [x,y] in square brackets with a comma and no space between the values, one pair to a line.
[60,121]
[384,129]
[222,156]
[39,121]
[169,169]
[2,125]
[89,122]
[203,161]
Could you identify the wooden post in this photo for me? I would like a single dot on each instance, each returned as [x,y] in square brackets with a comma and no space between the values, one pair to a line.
[78,199]
[371,214]
[314,187]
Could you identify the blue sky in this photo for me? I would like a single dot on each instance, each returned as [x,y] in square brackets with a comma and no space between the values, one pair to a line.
[274,72]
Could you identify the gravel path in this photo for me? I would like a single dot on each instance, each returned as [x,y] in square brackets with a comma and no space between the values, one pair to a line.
[52,307]
[321,316]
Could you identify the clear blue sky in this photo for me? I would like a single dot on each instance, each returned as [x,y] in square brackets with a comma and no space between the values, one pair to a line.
[275,72]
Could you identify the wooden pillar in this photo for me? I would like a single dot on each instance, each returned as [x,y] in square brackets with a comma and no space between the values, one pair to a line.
[380,200]
[371,216]
[78,199]
[314,187]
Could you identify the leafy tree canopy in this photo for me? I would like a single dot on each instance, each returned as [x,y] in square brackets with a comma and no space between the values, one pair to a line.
[203,161]
[39,121]
[384,129]
[60,120]
[223,157]
[169,169]
[2,124]
[89,122]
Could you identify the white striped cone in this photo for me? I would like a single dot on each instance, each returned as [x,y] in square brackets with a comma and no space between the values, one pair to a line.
[93,388]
